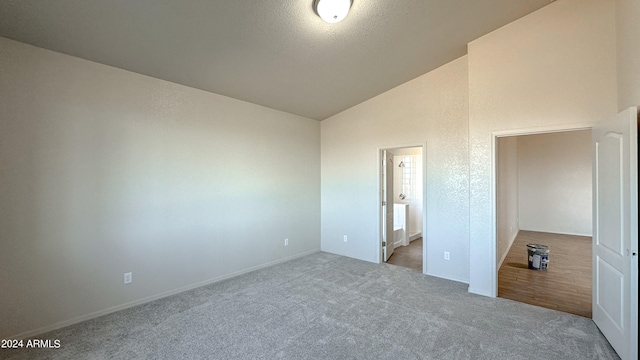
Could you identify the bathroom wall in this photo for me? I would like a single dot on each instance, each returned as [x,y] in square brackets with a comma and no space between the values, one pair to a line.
[413,199]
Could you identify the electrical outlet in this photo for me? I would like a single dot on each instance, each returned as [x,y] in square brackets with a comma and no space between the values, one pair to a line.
[345,238]
[128,278]
[286,242]
[446,255]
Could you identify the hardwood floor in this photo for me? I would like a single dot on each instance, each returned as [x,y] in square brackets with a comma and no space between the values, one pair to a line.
[409,256]
[565,286]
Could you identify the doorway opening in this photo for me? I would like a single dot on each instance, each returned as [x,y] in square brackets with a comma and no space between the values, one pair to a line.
[544,196]
[402,199]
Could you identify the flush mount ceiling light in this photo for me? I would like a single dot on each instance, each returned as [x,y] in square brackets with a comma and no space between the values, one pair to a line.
[332,11]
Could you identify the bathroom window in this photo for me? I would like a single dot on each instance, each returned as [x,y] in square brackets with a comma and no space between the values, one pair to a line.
[408,178]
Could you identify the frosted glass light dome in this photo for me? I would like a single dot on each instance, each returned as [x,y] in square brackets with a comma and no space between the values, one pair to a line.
[332,11]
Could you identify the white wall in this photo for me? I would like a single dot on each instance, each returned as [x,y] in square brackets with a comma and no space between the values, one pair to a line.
[554,68]
[434,108]
[507,195]
[554,182]
[628,52]
[104,171]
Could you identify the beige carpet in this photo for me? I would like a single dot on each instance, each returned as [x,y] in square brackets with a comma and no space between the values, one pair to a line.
[325,306]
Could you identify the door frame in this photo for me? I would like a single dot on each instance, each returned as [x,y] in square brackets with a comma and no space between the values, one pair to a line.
[380,157]
[494,181]
[388,205]
[494,202]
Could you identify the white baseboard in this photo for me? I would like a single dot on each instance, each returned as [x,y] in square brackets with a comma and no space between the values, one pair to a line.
[449,278]
[481,293]
[65,323]
[559,232]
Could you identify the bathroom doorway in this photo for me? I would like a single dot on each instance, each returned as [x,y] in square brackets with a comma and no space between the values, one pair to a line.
[402,179]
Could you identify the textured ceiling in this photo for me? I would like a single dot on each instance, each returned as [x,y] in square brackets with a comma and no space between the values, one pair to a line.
[276,53]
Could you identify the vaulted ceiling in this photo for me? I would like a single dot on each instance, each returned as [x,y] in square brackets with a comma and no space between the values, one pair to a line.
[276,53]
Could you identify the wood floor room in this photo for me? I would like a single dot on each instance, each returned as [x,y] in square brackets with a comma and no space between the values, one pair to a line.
[564,286]
[409,256]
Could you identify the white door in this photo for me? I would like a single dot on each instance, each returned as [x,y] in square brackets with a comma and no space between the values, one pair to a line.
[387,205]
[615,231]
